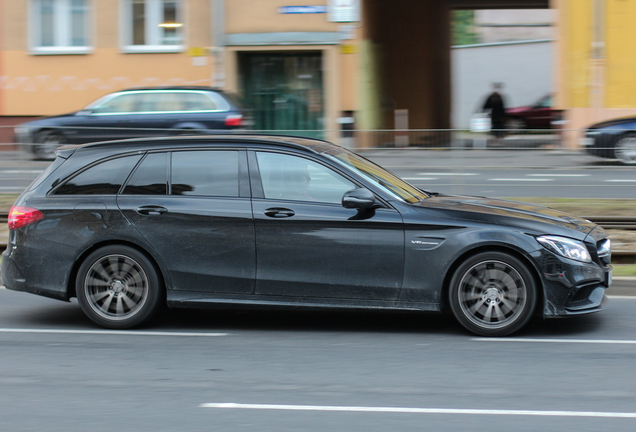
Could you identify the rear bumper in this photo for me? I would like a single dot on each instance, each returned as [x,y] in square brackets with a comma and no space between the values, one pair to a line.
[12,277]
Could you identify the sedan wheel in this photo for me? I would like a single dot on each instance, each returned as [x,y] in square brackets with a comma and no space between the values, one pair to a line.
[117,287]
[515,124]
[625,150]
[47,144]
[492,294]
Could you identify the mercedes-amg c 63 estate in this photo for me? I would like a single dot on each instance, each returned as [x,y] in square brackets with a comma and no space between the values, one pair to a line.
[129,227]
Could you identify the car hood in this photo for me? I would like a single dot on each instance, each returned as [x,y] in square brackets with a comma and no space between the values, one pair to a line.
[623,121]
[518,110]
[530,218]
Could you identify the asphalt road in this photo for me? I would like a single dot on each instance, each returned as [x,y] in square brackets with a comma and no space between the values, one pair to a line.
[491,172]
[511,173]
[312,371]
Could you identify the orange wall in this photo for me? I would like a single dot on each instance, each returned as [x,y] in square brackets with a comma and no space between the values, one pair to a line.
[261,16]
[52,84]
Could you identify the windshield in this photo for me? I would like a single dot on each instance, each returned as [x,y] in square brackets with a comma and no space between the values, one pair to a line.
[391,184]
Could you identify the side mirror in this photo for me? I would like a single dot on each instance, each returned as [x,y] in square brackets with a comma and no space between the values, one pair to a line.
[360,199]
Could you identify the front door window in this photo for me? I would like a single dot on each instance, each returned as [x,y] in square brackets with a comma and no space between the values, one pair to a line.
[287,177]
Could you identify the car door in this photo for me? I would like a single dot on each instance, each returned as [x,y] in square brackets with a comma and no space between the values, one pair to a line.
[309,245]
[200,222]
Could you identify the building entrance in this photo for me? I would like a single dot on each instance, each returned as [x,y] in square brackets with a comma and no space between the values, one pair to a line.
[284,91]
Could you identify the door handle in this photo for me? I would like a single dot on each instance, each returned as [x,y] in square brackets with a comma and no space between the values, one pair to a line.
[277,212]
[150,210]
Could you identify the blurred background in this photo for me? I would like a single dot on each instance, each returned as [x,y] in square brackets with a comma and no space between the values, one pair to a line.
[402,82]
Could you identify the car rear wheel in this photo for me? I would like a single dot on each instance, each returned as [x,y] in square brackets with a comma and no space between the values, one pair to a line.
[47,143]
[493,294]
[625,150]
[118,287]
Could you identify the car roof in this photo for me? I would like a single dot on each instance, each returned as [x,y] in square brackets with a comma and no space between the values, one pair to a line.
[159,88]
[144,144]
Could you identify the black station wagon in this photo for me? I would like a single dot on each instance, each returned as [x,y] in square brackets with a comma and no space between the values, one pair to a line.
[131,226]
[138,112]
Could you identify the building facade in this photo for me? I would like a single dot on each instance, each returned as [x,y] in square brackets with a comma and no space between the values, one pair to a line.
[294,66]
[596,62]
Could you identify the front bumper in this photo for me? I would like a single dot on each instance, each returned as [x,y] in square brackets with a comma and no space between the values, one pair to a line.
[571,287]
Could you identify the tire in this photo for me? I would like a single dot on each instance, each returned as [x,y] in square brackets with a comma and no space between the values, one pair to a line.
[118,287]
[515,124]
[625,149]
[493,294]
[47,144]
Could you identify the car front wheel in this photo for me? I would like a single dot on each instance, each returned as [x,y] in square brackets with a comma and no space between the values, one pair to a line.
[515,124]
[493,294]
[118,287]
[625,150]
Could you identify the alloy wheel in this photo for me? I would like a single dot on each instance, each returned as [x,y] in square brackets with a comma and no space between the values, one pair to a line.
[116,287]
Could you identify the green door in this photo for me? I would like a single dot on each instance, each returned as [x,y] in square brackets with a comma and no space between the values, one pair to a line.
[284,92]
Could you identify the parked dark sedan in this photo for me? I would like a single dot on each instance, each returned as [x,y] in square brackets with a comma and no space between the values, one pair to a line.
[140,112]
[614,139]
[130,226]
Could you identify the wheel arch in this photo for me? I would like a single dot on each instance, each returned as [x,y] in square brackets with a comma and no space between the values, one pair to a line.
[78,262]
[532,268]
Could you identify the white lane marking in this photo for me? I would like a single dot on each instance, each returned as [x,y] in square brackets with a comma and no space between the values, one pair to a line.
[558,175]
[419,178]
[622,181]
[449,174]
[111,332]
[421,410]
[581,341]
[12,188]
[621,297]
[521,179]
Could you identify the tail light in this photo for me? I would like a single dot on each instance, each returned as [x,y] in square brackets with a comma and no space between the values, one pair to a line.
[23,216]
[234,120]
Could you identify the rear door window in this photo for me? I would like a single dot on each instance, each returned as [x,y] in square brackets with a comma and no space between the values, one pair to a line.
[205,173]
[150,177]
[104,178]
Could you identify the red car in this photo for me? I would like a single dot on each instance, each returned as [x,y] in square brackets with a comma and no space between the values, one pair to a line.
[539,115]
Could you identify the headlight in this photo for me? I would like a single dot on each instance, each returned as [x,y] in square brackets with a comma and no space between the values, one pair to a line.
[21,130]
[566,247]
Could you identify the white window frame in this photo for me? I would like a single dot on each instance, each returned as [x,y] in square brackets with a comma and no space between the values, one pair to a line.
[152,30]
[62,29]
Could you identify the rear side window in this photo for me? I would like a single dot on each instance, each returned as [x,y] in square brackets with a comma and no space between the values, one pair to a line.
[47,172]
[150,177]
[198,102]
[205,173]
[105,178]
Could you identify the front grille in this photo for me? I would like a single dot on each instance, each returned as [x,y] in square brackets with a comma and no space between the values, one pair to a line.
[582,294]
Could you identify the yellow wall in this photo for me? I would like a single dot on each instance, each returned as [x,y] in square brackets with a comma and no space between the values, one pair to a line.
[53,84]
[621,54]
[576,23]
[591,89]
